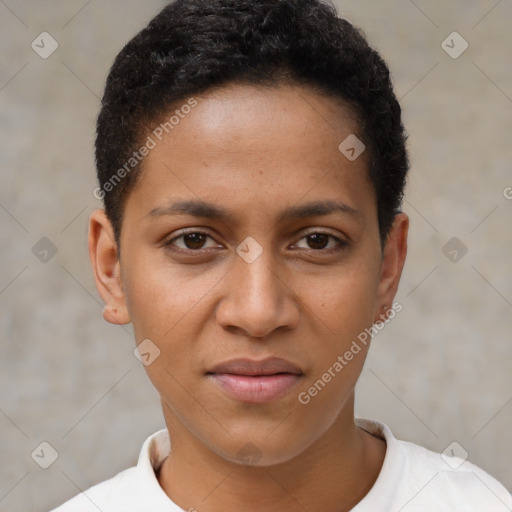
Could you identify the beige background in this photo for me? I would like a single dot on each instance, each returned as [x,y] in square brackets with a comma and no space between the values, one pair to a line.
[440,372]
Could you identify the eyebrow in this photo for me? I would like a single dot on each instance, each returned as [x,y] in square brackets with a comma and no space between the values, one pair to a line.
[210,211]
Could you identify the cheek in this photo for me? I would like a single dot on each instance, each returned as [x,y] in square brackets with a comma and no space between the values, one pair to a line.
[162,297]
[166,308]
[345,300]
[342,308]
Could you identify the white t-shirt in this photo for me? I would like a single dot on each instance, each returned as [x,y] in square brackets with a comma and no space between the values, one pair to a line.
[412,479]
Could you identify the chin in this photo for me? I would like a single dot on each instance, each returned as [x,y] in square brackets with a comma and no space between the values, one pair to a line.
[260,448]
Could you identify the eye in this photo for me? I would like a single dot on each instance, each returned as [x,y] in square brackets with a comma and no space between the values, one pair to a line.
[322,242]
[195,241]
[191,241]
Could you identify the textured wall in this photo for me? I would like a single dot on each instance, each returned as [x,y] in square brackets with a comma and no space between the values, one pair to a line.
[439,372]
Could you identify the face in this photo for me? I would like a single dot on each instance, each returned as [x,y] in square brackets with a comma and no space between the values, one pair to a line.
[251,258]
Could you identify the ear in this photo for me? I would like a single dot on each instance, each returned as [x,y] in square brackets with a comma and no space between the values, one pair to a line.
[393,259]
[106,266]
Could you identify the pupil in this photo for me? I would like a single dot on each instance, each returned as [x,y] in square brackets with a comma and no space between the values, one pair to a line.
[318,240]
[194,240]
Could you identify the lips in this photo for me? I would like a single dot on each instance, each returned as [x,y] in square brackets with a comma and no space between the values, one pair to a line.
[256,382]
[268,366]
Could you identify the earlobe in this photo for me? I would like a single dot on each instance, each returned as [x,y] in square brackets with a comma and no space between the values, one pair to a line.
[106,266]
[111,315]
[393,260]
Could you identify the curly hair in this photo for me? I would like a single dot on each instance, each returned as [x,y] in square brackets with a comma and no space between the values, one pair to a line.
[192,46]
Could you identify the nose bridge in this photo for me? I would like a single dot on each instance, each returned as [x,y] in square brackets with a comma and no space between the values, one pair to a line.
[255,273]
[256,300]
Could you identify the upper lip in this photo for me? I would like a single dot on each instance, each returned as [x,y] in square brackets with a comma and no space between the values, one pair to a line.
[245,366]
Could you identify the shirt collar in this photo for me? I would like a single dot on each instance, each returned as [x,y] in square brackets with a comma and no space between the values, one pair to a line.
[157,447]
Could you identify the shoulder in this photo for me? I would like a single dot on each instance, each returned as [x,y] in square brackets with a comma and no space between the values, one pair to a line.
[417,479]
[133,489]
[450,482]
[111,493]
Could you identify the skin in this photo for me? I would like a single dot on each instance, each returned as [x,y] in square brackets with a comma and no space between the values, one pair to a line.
[255,152]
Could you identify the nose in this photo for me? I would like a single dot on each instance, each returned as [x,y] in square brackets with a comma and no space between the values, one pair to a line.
[258,298]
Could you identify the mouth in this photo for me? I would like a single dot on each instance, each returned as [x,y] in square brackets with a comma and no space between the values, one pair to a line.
[256,382]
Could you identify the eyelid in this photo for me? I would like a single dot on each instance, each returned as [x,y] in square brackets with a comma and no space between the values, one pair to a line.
[323,231]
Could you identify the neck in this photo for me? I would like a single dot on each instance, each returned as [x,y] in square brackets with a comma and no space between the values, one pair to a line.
[332,474]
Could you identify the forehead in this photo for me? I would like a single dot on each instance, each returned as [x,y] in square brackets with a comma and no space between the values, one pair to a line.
[241,142]
[242,119]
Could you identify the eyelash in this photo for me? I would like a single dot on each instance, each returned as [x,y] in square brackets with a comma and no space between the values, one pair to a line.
[341,244]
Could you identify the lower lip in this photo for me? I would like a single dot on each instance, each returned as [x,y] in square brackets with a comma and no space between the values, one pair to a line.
[256,389]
